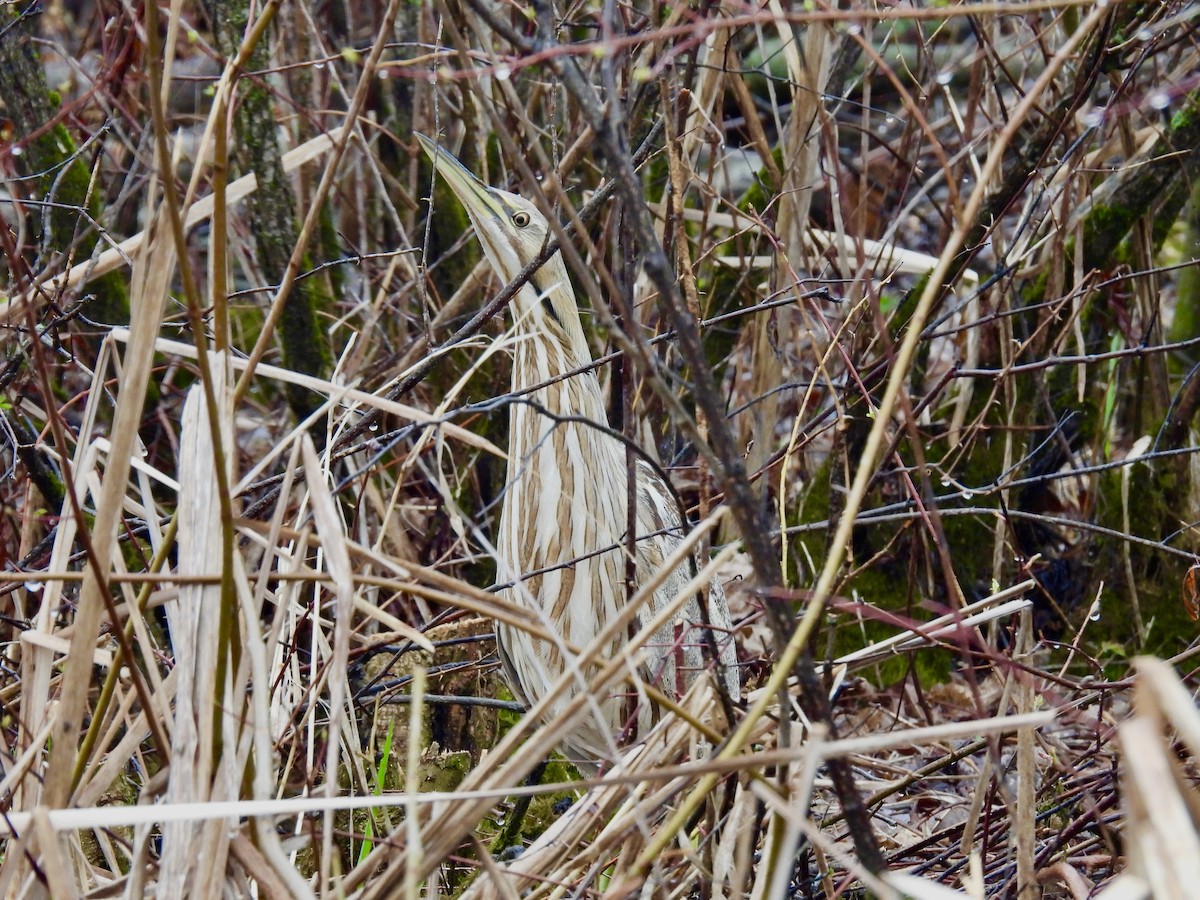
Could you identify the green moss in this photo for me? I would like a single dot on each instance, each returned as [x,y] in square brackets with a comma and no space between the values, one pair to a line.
[889,584]
[1104,227]
[63,178]
[761,194]
[67,184]
[122,792]
[302,336]
[334,277]
[523,823]
[1186,323]
[303,340]
[1186,118]
[906,308]
[1035,291]
[1160,187]
[1153,513]
[809,546]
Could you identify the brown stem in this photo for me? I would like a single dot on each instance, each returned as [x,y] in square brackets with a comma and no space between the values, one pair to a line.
[721,452]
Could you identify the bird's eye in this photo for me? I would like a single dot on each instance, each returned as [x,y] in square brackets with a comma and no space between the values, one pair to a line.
[520,219]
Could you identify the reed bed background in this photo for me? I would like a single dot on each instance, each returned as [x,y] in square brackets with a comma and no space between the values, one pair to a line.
[930,399]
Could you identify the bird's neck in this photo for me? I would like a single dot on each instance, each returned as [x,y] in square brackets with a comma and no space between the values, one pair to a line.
[553,348]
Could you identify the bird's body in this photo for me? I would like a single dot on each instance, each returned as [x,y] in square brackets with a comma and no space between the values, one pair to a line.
[580,510]
[564,522]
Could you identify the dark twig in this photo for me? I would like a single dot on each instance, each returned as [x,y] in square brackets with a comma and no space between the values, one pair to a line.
[720,451]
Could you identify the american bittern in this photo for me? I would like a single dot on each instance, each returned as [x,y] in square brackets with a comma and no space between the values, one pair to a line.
[564,516]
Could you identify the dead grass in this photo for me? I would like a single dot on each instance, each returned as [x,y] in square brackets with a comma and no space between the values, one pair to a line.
[244,654]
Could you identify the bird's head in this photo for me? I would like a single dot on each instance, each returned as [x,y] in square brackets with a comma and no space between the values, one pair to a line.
[513,233]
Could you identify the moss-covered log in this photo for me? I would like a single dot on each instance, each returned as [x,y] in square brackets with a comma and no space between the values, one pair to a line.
[1159,188]
[69,205]
[272,209]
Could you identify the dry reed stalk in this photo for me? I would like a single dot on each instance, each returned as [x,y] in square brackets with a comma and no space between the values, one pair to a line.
[309,578]
[1162,804]
[193,620]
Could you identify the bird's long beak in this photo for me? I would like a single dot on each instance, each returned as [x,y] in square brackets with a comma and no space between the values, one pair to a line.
[476,196]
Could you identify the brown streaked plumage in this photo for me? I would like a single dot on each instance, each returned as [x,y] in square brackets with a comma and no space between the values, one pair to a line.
[567,489]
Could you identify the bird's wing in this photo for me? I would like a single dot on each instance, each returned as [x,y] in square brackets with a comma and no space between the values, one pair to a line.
[679,653]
